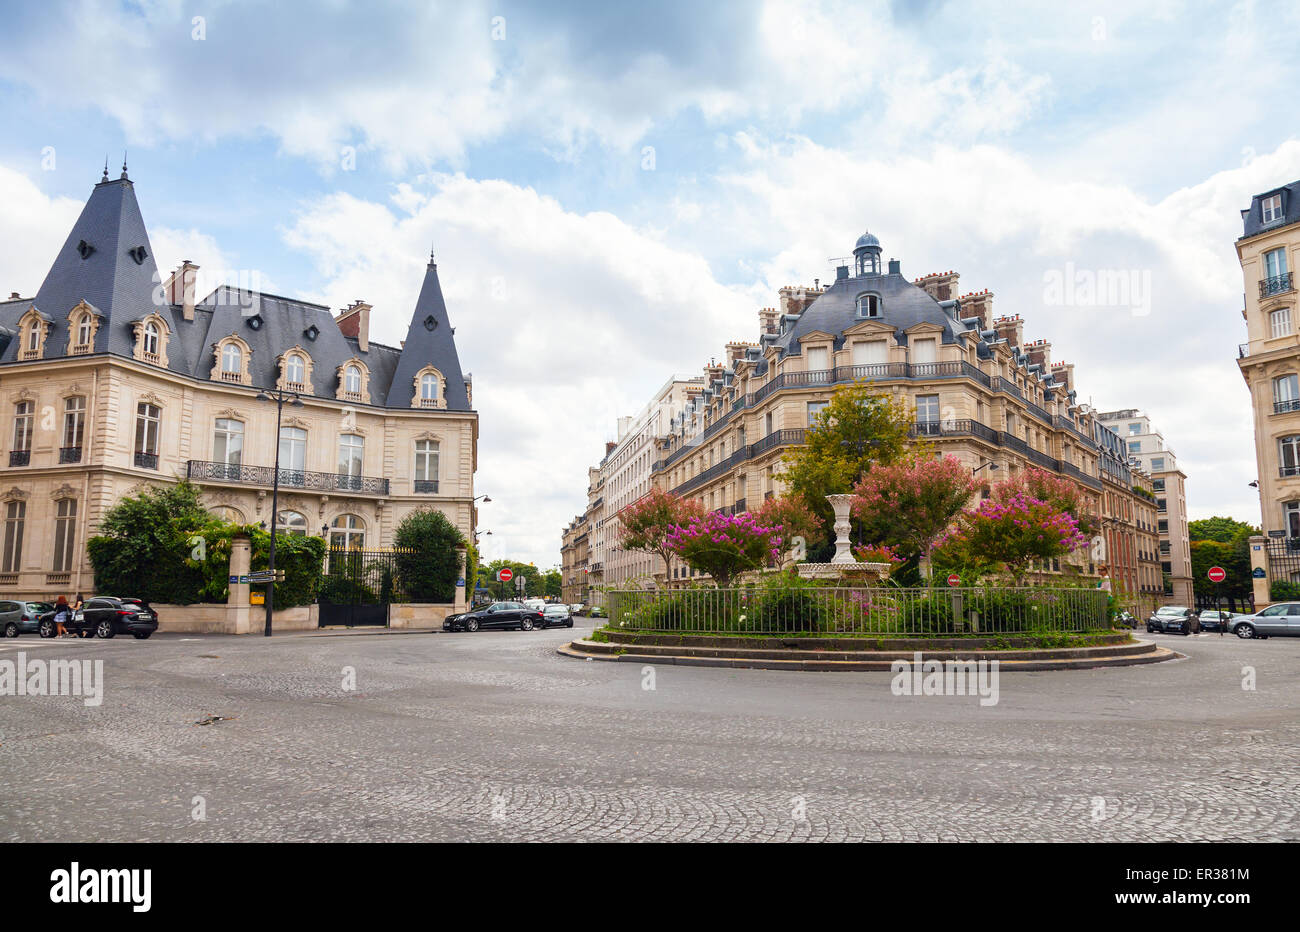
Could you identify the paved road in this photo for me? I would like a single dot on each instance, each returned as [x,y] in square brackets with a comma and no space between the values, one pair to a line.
[493,736]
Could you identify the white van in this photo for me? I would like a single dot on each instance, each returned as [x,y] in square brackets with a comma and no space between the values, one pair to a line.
[536,605]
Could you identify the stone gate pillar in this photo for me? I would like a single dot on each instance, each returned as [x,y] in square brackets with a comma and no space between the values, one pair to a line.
[238,611]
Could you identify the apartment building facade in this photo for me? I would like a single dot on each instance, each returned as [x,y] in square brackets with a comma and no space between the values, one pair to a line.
[116,379]
[1268,251]
[980,391]
[1145,446]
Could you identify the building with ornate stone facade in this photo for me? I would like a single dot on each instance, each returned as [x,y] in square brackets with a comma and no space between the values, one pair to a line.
[980,390]
[115,378]
[1145,446]
[1268,249]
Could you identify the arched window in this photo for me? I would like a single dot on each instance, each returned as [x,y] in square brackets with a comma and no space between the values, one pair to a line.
[292,523]
[428,387]
[868,305]
[228,513]
[232,358]
[84,330]
[348,532]
[352,379]
[33,337]
[150,339]
[294,369]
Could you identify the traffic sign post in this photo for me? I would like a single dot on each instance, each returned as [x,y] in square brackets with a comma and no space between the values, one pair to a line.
[954,580]
[1217,575]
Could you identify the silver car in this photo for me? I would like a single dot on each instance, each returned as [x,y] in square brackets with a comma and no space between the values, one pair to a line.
[1278,620]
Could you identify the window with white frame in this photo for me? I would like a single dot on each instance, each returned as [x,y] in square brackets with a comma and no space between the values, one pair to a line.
[292,523]
[85,330]
[817,356]
[65,534]
[348,532]
[1288,452]
[352,379]
[352,449]
[148,421]
[1291,518]
[24,425]
[1279,322]
[1271,208]
[426,465]
[1286,392]
[228,441]
[868,305]
[15,518]
[295,370]
[150,340]
[74,422]
[232,358]
[428,387]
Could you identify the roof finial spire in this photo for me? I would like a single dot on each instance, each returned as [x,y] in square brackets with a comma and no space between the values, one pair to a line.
[124,178]
[432,261]
[105,178]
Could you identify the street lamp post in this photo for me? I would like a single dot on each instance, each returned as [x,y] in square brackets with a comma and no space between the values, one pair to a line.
[279,396]
[990,466]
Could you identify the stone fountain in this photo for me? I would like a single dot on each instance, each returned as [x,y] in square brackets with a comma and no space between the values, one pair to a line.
[843,565]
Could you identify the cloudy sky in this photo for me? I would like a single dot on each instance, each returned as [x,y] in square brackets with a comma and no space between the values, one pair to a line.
[613,190]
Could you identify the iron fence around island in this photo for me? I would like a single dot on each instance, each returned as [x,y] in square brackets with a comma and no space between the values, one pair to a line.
[867,612]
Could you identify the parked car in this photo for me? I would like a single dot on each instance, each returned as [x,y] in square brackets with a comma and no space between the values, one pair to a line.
[1278,620]
[1212,619]
[12,618]
[1170,619]
[534,605]
[106,617]
[1126,619]
[496,615]
[557,616]
[576,608]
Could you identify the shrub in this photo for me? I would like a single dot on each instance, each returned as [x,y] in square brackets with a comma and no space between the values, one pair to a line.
[1281,590]
[788,603]
[427,560]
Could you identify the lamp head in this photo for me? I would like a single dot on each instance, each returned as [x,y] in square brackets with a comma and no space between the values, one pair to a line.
[263,396]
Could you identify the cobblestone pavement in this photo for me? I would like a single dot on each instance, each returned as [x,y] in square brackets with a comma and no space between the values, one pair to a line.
[494,736]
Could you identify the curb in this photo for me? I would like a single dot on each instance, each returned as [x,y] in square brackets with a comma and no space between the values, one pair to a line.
[1144,652]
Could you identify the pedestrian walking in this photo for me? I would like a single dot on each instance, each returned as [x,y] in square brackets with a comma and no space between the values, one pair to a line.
[62,615]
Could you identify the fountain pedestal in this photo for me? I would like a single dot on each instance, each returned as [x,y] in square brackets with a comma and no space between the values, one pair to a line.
[843,566]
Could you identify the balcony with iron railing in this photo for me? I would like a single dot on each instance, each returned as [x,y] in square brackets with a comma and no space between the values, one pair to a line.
[20,457]
[146,460]
[1286,407]
[1277,284]
[69,454]
[264,476]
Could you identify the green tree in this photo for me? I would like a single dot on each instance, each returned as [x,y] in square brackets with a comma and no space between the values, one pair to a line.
[857,429]
[1233,556]
[552,583]
[1221,529]
[509,591]
[428,562]
[145,549]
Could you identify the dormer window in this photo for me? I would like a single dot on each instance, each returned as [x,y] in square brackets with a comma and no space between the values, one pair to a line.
[354,381]
[868,305]
[230,361]
[1271,208]
[150,339]
[294,369]
[33,327]
[84,331]
[428,389]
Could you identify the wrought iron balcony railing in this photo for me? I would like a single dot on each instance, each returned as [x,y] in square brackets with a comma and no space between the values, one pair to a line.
[201,470]
[1278,284]
[69,454]
[1282,407]
[426,485]
[146,460]
[20,457]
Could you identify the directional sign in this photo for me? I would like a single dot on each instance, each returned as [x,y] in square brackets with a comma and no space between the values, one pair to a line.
[954,580]
[1216,574]
[505,574]
[519,582]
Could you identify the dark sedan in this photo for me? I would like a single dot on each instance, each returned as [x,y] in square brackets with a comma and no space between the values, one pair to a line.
[497,615]
[1173,619]
[557,616]
[106,617]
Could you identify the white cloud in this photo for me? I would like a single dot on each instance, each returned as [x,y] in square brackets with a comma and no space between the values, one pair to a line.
[32,226]
[566,320]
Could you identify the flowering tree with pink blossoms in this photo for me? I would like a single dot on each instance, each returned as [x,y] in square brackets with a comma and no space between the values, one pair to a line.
[792,515]
[724,546]
[646,524]
[907,505]
[1009,535]
[1059,492]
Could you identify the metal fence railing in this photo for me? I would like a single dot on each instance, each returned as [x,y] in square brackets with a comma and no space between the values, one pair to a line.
[884,611]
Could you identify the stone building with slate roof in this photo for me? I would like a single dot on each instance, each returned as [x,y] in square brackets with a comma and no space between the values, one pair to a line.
[980,391]
[114,377]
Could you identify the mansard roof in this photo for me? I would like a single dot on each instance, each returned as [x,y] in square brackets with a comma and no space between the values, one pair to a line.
[107,262]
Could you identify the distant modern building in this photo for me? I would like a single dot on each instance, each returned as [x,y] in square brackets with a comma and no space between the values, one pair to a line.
[1268,250]
[116,379]
[1145,445]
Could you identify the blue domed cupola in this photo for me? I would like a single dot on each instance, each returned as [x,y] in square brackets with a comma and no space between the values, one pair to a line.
[866,255]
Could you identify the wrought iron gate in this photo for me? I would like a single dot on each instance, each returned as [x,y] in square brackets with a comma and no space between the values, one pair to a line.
[358,587]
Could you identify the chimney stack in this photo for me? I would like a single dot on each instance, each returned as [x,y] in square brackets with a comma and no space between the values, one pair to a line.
[355,322]
[179,288]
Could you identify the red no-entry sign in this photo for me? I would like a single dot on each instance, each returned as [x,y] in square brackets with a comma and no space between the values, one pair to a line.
[1217,574]
[505,574]
[954,580]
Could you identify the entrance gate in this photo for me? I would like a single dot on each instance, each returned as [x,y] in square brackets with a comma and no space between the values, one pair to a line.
[358,586]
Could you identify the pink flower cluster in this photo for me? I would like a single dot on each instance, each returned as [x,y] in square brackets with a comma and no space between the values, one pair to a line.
[876,553]
[740,531]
